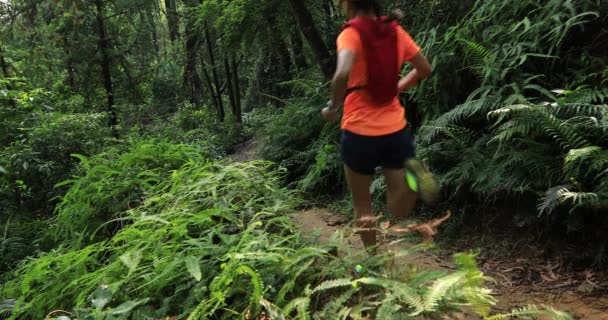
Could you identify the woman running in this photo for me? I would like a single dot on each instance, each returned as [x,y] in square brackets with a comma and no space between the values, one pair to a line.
[371,52]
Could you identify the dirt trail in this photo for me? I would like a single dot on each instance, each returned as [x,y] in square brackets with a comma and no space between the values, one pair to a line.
[511,289]
[324,223]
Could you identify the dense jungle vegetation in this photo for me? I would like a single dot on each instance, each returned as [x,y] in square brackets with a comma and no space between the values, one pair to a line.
[117,117]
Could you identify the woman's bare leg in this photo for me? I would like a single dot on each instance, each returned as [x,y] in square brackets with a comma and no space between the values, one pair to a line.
[400,199]
[359,185]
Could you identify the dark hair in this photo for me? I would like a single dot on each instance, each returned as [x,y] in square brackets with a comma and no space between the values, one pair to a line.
[367,5]
[373,5]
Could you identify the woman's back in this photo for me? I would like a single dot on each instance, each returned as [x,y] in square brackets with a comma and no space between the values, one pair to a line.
[361,115]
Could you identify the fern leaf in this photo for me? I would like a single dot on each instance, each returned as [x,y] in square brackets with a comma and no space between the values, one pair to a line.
[552,199]
[387,309]
[299,305]
[400,290]
[440,288]
[331,284]
[273,311]
[528,312]
[256,295]
[332,307]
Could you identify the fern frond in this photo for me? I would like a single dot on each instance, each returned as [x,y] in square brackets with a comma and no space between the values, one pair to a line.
[440,288]
[400,290]
[582,199]
[332,307]
[256,295]
[553,198]
[273,311]
[532,312]
[528,312]
[576,157]
[300,305]
[331,284]
[479,107]
[387,309]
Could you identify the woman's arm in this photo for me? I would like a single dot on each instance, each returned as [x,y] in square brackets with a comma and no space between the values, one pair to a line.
[346,60]
[422,70]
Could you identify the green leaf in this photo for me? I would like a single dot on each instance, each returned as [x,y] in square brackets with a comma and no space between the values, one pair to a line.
[62,318]
[2,170]
[127,307]
[101,297]
[193,267]
[131,260]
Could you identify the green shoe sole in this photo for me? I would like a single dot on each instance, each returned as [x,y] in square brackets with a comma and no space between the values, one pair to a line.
[421,181]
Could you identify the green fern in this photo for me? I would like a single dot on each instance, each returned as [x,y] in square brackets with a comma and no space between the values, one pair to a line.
[300,305]
[401,291]
[331,284]
[388,309]
[531,313]
[440,288]
[332,307]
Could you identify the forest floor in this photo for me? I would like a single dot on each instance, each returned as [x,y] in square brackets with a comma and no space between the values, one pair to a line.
[519,280]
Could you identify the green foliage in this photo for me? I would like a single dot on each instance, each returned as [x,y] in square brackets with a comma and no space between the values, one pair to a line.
[512,137]
[19,238]
[532,312]
[110,184]
[298,139]
[40,155]
[197,128]
[210,241]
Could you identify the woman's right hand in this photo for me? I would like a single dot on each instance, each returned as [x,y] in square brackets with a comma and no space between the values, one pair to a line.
[330,113]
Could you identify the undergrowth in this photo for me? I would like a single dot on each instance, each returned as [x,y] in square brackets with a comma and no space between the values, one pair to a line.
[216,241]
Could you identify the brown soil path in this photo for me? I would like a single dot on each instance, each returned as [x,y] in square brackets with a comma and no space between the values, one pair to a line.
[560,295]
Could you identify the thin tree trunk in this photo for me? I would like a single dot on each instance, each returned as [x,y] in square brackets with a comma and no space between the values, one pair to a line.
[237,90]
[69,63]
[298,49]
[278,44]
[155,41]
[192,81]
[105,66]
[210,86]
[172,19]
[216,79]
[6,74]
[230,87]
[3,64]
[310,31]
[131,82]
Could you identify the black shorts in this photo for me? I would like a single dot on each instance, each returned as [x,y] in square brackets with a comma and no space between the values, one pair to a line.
[363,154]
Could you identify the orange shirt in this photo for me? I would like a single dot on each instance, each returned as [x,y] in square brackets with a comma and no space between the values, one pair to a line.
[360,115]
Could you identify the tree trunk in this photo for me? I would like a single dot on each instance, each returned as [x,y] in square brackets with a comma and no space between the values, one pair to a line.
[216,79]
[230,87]
[192,81]
[172,19]
[3,64]
[69,64]
[310,31]
[298,49]
[237,91]
[131,83]
[210,86]
[154,39]
[279,45]
[6,74]
[105,66]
